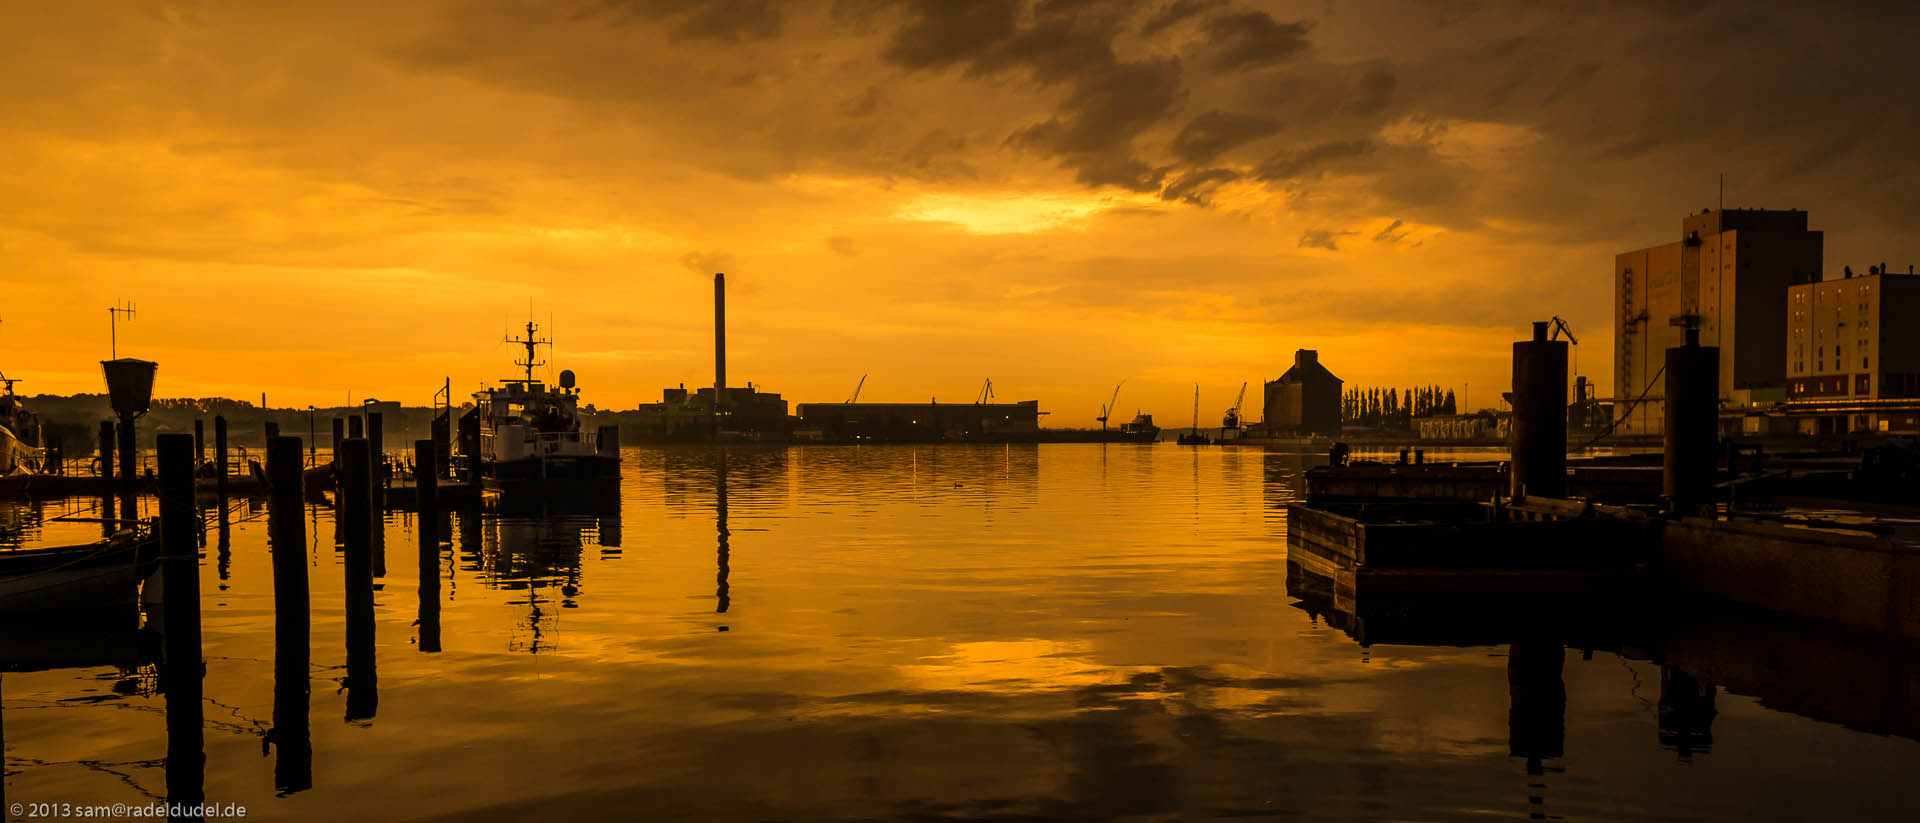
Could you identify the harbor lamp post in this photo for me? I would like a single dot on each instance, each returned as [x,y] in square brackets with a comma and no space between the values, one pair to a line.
[312,444]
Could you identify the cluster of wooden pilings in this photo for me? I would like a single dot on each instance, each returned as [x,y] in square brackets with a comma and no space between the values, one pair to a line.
[360,503]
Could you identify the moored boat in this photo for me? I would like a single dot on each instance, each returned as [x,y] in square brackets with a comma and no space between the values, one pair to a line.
[532,433]
[89,577]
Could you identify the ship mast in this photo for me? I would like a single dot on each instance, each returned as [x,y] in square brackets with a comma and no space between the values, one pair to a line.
[532,342]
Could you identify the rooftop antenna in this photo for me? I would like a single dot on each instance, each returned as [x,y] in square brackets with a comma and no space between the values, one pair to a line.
[113,325]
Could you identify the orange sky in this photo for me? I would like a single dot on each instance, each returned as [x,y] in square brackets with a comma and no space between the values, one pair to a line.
[360,196]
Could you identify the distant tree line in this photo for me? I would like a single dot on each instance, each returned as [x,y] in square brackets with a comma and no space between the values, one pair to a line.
[1395,408]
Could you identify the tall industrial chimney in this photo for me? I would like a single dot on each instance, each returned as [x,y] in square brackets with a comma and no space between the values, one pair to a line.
[719,339]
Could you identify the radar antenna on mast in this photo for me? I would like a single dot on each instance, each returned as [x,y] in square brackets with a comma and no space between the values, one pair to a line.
[532,341]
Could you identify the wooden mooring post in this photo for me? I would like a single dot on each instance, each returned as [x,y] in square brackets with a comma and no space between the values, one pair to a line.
[180,575]
[292,610]
[356,475]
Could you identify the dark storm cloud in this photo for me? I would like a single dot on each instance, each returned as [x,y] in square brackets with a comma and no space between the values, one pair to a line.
[1310,162]
[1195,187]
[1109,102]
[1372,90]
[939,34]
[1173,13]
[1323,239]
[1097,124]
[727,21]
[1207,136]
[1253,39]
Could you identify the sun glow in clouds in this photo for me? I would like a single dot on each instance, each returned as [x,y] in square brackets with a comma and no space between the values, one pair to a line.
[1013,212]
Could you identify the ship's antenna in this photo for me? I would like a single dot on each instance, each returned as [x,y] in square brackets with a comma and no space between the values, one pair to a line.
[113,325]
[532,341]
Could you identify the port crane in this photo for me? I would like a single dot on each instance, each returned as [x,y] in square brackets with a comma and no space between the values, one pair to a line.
[986,393]
[1559,326]
[1232,418]
[856,390]
[1106,411]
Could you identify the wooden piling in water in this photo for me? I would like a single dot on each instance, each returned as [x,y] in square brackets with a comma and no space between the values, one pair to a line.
[180,570]
[355,427]
[106,449]
[377,448]
[220,453]
[356,476]
[129,464]
[339,434]
[292,648]
[426,478]
[273,429]
[199,442]
[426,481]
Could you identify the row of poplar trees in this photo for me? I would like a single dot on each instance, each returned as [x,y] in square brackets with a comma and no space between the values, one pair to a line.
[1387,407]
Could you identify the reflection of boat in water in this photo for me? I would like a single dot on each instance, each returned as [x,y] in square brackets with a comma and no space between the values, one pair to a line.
[96,576]
[532,433]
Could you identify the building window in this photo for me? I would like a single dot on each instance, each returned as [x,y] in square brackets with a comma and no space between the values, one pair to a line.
[1863,363]
[1862,383]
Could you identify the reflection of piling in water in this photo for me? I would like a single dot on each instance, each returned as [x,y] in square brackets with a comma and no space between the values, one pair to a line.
[1686,712]
[426,475]
[181,674]
[292,648]
[1539,416]
[356,475]
[1536,715]
[1691,423]
[724,552]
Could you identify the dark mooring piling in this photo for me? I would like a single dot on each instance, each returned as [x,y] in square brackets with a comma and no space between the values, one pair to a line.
[426,477]
[199,441]
[129,464]
[292,648]
[1539,435]
[377,449]
[356,479]
[1691,424]
[339,434]
[273,429]
[354,427]
[180,577]
[106,449]
[220,453]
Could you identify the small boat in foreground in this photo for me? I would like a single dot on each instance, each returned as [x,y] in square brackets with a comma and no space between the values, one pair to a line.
[96,576]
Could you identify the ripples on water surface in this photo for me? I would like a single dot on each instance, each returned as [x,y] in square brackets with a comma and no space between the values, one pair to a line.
[876,633]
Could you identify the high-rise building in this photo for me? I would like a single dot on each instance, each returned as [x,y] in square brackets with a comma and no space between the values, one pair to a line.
[1730,270]
[1853,353]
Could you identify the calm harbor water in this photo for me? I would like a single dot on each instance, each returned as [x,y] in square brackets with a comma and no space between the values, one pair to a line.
[945,633]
